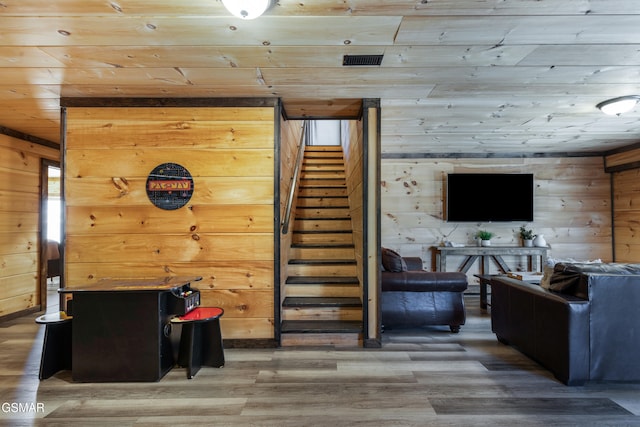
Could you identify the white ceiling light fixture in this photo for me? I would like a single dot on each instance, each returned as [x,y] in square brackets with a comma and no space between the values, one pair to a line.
[247,9]
[619,105]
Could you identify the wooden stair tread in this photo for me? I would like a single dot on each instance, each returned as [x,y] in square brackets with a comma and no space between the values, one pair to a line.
[321,326]
[317,219]
[332,187]
[331,162]
[322,262]
[323,197]
[322,207]
[322,302]
[324,167]
[323,231]
[329,182]
[320,232]
[327,280]
[340,218]
[328,245]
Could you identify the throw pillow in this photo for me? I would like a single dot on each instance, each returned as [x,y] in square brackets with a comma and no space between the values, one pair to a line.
[392,261]
[548,272]
[545,282]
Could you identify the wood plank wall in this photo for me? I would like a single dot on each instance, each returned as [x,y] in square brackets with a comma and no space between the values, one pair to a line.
[572,206]
[226,231]
[626,204]
[353,148]
[291,131]
[626,159]
[20,163]
[626,215]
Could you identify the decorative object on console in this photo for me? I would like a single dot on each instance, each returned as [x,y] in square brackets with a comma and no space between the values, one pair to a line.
[485,237]
[539,241]
[526,276]
[526,236]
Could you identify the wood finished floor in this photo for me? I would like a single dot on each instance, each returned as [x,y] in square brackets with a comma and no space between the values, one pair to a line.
[418,378]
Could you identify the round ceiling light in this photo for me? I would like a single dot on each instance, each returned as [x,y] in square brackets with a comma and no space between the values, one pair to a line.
[617,106]
[247,9]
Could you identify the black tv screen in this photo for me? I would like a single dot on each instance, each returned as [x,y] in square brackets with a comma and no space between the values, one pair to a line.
[489,197]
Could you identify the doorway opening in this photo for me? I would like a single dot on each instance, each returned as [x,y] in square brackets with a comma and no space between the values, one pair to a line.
[50,237]
[326,132]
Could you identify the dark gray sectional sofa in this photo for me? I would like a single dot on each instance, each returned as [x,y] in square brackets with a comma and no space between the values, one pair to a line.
[584,327]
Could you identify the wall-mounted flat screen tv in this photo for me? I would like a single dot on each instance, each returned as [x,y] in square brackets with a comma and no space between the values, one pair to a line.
[489,197]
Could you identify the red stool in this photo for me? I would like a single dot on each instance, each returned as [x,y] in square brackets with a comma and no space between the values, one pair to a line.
[200,340]
[56,347]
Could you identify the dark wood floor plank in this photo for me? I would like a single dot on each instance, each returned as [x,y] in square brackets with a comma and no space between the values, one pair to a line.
[529,406]
[127,408]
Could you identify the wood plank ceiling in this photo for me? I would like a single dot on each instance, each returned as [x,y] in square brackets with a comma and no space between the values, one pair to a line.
[458,76]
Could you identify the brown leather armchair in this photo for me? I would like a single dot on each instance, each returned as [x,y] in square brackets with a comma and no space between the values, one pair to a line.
[412,297]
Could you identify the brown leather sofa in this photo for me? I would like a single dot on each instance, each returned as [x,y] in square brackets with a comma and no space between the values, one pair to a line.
[585,327]
[413,298]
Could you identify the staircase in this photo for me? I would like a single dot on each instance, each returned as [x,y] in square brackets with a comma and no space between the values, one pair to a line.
[322,304]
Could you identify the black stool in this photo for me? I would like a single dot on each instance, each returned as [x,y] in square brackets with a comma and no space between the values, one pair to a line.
[200,340]
[56,347]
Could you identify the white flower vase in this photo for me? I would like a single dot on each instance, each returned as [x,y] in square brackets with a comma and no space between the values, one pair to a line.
[485,242]
[539,241]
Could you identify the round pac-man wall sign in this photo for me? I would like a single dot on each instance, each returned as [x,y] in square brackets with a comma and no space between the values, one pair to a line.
[169,186]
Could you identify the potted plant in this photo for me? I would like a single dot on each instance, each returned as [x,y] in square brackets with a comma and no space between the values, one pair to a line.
[526,236]
[485,237]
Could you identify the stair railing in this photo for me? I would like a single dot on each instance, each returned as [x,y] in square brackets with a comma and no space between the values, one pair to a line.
[294,179]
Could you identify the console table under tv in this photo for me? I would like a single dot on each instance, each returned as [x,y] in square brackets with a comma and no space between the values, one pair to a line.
[121,328]
[487,254]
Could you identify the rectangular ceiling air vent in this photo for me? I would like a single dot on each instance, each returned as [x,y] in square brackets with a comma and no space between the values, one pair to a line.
[356,60]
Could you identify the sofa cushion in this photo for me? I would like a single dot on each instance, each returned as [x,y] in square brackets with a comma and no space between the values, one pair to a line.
[413,263]
[571,278]
[606,268]
[392,261]
[548,268]
[424,281]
